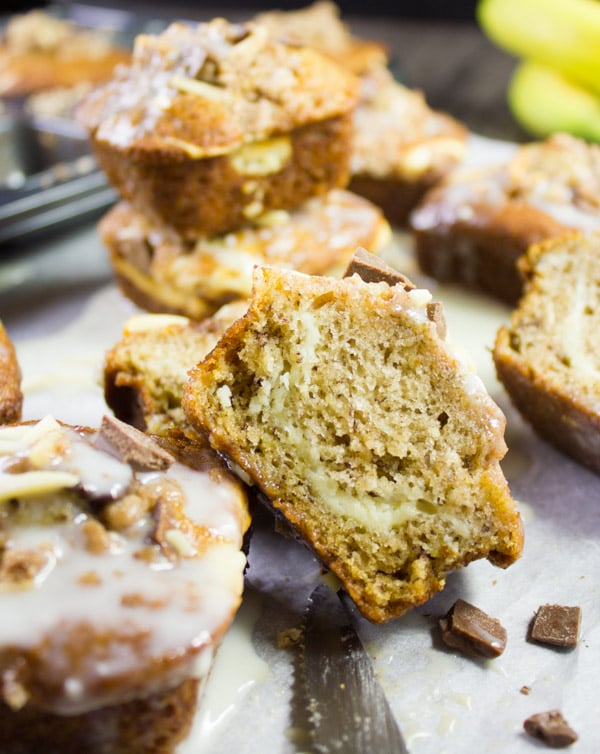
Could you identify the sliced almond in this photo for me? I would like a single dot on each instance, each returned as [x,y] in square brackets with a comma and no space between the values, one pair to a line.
[201,89]
[32,483]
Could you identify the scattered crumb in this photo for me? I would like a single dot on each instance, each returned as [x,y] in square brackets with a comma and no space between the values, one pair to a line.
[289,637]
[90,578]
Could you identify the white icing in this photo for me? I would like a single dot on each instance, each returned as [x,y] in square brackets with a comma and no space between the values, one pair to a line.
[181,604]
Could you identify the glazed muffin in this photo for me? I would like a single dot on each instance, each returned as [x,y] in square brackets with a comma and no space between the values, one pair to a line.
[215,124]
[39,52]
[145,372]
[547,356]
[160,272]
[120,570]
[11,397]
[401,146]
[320,26]
[474,228]
[343,403]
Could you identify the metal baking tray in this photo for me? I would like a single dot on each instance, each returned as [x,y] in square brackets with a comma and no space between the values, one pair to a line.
[48,176]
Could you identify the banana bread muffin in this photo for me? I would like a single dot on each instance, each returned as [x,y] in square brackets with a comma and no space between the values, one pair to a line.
[11,397]
[547,357]
[342,401]
[474,228]
[320,26]
[214,124]
[120,570]
[145,372]
[39,51]
[162,273]
[401,146]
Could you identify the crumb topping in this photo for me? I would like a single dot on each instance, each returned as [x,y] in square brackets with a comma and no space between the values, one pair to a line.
[215,86]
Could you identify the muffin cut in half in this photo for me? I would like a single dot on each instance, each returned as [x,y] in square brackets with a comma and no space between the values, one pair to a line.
[214,124]
[161,272]
[342,401]
[547,357]
[473,228]
[11,397]
[120,570]
[146,371]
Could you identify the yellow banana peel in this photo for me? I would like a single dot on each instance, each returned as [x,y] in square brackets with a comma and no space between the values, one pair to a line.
[543,101]
[560,34]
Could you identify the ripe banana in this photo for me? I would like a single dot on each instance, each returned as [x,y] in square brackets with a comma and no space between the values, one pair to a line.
[544,101]
[561,34]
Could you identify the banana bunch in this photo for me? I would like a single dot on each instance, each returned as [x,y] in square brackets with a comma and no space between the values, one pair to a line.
[556,85]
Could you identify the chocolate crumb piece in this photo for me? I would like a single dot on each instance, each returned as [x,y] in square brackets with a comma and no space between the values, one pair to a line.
[474,632]
[557,625]
[372,269]
[551,728]
[526,690]
[435,313]
[132,446]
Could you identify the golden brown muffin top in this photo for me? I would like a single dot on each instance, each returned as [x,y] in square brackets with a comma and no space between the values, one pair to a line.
[558,178]
[211,87]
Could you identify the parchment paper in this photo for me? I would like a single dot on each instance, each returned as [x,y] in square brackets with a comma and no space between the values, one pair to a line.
[445,703]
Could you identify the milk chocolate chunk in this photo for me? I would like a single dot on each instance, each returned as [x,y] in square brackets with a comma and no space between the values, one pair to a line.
[551,728]
[372,269]
[557,625]
[132,446]
[474,632]
[435,313]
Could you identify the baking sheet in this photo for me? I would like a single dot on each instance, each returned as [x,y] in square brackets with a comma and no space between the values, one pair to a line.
[445,703]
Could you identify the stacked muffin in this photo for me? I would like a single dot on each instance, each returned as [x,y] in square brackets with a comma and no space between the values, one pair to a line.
[402,147]
[229,149]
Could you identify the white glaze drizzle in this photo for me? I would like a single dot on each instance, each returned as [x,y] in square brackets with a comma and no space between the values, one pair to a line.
[182,604]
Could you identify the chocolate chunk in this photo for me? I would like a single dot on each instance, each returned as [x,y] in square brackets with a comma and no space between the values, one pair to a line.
[132,446]
[551,728]
[372,269]
[469,629]
[435,313]
[557,625]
